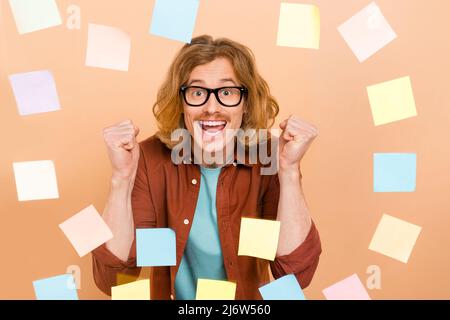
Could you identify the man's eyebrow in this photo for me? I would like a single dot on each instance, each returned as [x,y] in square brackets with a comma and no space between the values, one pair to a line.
[195,80]
[228,80]
[202,82]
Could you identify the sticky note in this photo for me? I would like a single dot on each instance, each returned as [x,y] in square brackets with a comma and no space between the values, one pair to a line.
[174,19]
[122,278]
[392,101]
[86,230]
[259,238]
[155,247]
[35,92]
[395,238]
[137,290]
[350,288]
[367,32]
[394,172]
[284,288]
[108,48]
[60,287]
[35,180]
[215,290]
[299,26]
[34,15]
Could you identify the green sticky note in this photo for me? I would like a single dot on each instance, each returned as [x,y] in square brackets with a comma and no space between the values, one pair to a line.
[34,15]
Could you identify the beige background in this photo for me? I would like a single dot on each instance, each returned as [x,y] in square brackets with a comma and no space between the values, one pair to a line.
[325,87]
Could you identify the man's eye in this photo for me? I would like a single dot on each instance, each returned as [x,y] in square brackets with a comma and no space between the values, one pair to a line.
[197,93]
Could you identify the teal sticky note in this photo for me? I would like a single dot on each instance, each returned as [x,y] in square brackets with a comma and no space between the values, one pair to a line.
[394,172]
[155,247]
[174,19]
[34,15]
[284,288]
[61,287]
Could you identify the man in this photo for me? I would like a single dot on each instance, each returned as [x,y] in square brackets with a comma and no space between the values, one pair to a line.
[212,88]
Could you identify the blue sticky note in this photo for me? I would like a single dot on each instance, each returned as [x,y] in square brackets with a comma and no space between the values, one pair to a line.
[155,247]
[284,288]
[56,288]
[174,19]
[35,92]
[394,172]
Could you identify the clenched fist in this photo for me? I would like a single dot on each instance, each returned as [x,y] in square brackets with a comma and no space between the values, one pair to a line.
[295,139]
[123,148]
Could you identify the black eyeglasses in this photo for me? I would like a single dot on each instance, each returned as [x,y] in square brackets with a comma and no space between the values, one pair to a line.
[227,96]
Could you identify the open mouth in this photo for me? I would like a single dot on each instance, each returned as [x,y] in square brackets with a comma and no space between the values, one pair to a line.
[212,127]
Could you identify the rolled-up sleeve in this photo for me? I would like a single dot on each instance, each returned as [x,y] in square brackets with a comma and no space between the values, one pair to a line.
[105,264]
[303,260]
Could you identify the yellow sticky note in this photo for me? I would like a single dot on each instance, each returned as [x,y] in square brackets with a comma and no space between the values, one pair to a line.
[392,101]
[259,238]
[299,26]
[395,238]
[137,290]
[215,290]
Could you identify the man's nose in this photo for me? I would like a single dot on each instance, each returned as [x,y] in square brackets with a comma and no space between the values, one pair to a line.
[212,105]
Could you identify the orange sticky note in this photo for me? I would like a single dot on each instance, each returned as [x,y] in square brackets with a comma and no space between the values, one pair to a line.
[122,278]
[395,238]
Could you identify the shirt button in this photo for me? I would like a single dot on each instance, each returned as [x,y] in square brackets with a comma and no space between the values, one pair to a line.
[186,221]
[194,181]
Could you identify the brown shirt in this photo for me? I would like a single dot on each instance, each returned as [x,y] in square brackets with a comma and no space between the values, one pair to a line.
[165,196]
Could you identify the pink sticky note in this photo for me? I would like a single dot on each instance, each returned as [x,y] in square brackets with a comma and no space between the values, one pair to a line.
[86,230]
[367,32]
[350,288]
[108,48]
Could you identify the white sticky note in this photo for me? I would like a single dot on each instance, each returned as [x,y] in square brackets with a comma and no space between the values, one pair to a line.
[108,48]
[395,238]
[34,15]
[35,180]
[136,290]
[299,26]
[86,230]
[367,32]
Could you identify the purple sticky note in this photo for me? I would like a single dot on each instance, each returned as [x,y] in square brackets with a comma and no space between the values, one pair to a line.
[35,92]
[350,288]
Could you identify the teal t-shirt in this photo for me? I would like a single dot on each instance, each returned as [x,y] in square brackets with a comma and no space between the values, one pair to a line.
[203,254]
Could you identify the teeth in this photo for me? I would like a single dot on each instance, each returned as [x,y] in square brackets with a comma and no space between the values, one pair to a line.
[213,123]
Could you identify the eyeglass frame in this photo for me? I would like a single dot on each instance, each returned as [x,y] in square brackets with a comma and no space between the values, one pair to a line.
[243,91]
